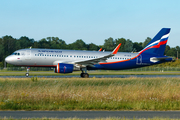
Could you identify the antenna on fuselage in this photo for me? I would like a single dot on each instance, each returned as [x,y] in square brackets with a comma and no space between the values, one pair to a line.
[103,50]
[30,47]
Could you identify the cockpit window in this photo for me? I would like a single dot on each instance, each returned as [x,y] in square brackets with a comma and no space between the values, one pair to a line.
[16,54]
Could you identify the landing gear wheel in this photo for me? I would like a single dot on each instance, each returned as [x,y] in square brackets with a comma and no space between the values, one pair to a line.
[27,74]
[84,75]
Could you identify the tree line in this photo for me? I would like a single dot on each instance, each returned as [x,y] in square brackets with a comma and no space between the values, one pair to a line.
[8,45]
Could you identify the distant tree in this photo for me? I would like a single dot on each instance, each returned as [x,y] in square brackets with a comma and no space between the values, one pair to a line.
[172,52]
[92,46]
[25,42]
[62,44]
[178,50]
[43,43]
[17,45]
[54,43]
[36,44]
[137,47]
[78,45]
[128,46]
[8,43]
[109,44]
[167,49]
[122,41]
[2,55]
[148,39]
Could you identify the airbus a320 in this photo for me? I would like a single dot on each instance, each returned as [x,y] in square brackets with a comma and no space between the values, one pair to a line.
[67,61]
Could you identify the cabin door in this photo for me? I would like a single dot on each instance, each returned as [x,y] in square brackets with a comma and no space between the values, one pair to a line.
[28,54]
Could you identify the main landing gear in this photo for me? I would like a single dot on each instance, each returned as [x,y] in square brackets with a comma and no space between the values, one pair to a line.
[27,74]
[84,73]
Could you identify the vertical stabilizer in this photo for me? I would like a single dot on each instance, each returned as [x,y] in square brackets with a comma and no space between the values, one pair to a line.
[158,44]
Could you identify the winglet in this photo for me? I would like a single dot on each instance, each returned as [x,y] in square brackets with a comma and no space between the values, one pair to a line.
[116,49]
[100,49]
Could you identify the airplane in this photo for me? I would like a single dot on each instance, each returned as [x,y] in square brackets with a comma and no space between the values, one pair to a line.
[67,61]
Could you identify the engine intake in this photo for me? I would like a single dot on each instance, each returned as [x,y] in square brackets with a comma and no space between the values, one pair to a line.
[64,68]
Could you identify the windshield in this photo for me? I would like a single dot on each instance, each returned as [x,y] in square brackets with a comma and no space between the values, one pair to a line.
[16,53]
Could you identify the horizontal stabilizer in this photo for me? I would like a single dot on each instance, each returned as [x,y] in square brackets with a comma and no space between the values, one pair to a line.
[156,59]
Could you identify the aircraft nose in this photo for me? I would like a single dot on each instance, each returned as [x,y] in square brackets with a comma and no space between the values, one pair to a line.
[8,59]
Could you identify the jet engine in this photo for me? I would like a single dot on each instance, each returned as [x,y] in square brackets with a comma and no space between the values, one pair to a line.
[64,68]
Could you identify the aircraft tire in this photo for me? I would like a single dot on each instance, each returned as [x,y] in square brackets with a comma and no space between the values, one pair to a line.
[82,75]
[86,75]
[27,74]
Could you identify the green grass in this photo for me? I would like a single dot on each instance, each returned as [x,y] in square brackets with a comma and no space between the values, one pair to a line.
[90,94]
[110,118]
[51,73]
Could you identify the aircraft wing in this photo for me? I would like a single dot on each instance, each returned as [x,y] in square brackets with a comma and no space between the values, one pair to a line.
[91,62]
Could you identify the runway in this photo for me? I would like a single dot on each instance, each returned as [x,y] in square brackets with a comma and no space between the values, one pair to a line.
[96,76]
[89,114]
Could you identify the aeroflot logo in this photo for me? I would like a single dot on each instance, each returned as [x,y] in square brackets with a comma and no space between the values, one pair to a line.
[50,51]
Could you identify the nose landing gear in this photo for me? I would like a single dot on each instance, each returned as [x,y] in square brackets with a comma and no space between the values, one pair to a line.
[27,74]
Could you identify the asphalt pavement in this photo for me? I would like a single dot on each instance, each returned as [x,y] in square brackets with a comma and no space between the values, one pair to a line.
[89,114]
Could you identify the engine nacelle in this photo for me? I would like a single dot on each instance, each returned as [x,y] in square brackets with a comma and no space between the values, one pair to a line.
[64,68]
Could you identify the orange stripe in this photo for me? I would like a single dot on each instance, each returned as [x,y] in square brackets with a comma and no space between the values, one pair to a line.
[58,67]
[120,61]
